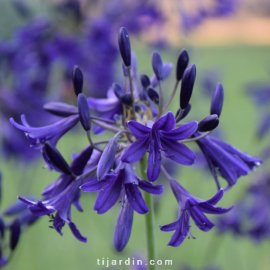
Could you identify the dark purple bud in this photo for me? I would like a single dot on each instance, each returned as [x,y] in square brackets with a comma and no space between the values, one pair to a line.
[15,231]
[81,160]
[126,100]
[60,109]
[138,109]
[145,81]
[157,65]
[182,64]
[84,112]
[153,95]
[107,158]
[167,68]
[2,227]
[123,226]
[187,85]
[217,100]
[125,70]
[209,123]
[124,46]
[185,113]
[77,78]
[118,91]
[55,159]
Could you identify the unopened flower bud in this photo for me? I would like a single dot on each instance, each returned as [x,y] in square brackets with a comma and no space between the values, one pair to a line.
[187,85]
[185,113]
[182,63]
[167,68]
[15,231]
[77,78]
[126,100]
[118,91]
[138,109]
[55,159]
[84,112]
[153,95]
[157,65]
[209,123]
[217,100]
[124,46]
[145,81]
[107,158]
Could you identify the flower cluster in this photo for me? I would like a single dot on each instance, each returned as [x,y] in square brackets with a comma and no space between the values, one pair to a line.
[144,133]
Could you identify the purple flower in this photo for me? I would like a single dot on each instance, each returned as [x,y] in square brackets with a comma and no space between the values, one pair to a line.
[62,194]
[251,214]
[190,206]
[230,162]
[160,137]
[105,107]
[124,178]
[38,136]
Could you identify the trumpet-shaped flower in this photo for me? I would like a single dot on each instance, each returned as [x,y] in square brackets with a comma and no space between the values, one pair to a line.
[38,136]
[230,162]
[110,189]
[190,206]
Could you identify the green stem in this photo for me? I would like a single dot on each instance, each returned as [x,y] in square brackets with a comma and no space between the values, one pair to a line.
[149,220]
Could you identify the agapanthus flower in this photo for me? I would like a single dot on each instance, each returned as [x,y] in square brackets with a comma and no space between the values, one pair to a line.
[160,137]
[62,194]
[190,206]
[225,159]
[124,178]
[38,136]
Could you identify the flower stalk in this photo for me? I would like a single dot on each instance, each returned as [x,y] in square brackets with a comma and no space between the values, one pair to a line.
[149,219]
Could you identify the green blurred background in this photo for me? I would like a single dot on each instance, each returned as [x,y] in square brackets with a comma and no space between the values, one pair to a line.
[42,248]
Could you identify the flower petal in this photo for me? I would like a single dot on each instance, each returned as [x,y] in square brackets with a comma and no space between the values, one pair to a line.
[165,123]
[181,232]
[170,227]
[201,221]
[180,133]
[108,195]
[136,151]
[135,199]
[210,209]
[102,104]
[93,186]
[148,187]
[138,129]
[216,198]
[123,226]
[154,161]
[177,152]
[76,232]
